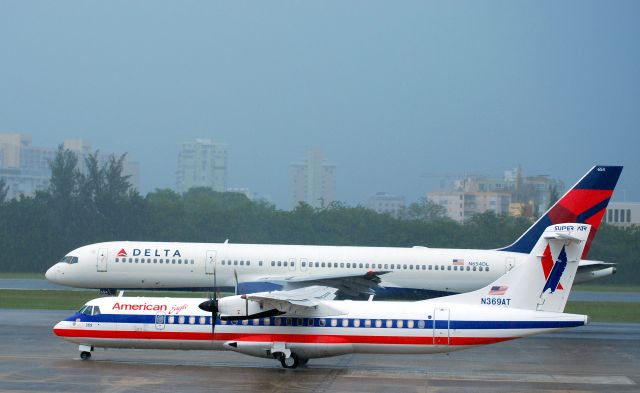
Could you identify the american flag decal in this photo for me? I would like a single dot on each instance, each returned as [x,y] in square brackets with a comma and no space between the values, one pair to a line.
[457,262]
[498,290]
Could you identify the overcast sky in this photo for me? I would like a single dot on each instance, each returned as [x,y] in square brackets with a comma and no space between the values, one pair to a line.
[389,90]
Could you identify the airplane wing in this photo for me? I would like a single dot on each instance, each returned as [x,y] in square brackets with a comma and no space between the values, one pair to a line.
[348,284]
[302,301]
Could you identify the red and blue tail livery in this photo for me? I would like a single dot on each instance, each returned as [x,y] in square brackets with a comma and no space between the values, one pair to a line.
[585,203]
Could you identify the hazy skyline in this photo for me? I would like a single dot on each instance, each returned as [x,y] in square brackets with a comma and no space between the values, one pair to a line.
[387,90]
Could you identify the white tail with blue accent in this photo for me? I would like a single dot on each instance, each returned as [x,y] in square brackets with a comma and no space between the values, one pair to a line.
[544,281]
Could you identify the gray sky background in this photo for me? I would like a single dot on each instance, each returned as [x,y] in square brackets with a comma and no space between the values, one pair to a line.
[389,90]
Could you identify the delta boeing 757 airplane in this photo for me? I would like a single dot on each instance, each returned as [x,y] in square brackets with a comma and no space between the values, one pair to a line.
[387,272]
[295,326]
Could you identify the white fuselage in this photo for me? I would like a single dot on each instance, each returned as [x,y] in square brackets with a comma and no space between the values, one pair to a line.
[355,326]
[192,265]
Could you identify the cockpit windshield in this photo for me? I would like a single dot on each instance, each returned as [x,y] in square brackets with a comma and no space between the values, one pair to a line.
[89,310]
[69,259]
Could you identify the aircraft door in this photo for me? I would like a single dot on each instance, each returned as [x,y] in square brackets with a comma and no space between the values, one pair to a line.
[160,316]
[102,259]
[509,263]
[292,264]
[210,262]
[303,264]
[441,326]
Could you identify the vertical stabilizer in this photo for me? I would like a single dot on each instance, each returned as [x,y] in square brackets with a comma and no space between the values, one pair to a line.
[544,281]
[585,203]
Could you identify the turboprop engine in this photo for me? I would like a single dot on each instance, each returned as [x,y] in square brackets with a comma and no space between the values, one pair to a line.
[233,308]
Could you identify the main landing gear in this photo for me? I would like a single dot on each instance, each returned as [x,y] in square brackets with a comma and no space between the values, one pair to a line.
[293,361]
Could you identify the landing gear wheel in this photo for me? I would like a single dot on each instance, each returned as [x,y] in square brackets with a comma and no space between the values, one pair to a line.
[290,362]
[84,355]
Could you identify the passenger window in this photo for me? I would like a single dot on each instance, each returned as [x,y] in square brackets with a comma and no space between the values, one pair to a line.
[436,267]
[322,322]
[310,322]
[430,267]
[448,267]
[267,321]
[334,322]
[474,268]
[404,267]
[400,323]
[279,263]
[410,324]
[171,319]
[202,320]
[345,323]
[356,323]
[378,323]
[389,323]
[468,268]
[235,263]
[285,263]
[367,323]
[421,324]
[273,263]
[486,269]
[192,320]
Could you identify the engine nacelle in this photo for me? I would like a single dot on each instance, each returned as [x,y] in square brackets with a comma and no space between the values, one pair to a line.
[239,307]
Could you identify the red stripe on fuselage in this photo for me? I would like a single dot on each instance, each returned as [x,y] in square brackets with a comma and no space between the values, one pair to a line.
[290,338]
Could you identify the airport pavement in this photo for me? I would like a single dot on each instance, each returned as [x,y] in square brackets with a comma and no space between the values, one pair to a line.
[595,358]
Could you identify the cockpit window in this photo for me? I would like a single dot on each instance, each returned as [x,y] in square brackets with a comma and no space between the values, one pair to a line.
[69,259]
[88,310]
[96,310]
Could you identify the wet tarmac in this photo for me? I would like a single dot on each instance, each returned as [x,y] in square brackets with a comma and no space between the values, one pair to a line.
[595,358]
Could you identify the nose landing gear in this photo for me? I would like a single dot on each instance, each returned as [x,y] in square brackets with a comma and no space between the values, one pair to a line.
[85,352]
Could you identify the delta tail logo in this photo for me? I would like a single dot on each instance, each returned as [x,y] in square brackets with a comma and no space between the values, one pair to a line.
[553,271]
[122,253]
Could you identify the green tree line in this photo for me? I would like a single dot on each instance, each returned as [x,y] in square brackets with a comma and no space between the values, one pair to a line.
[98,204]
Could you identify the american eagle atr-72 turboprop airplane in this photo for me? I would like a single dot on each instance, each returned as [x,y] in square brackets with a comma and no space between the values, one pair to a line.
[295,326]
[389,272]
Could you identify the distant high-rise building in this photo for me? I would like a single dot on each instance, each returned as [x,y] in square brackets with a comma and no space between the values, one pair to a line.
[383,202]
[313,181]
[202,163]
[514,195]
[25,168]
[622,214]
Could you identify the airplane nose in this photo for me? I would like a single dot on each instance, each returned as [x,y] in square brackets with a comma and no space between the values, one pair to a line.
[52,273]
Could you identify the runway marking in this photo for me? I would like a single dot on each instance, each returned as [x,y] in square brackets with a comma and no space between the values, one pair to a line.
[503,377]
